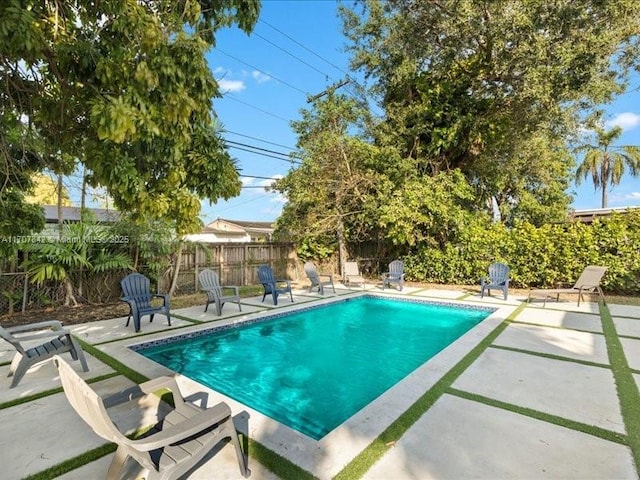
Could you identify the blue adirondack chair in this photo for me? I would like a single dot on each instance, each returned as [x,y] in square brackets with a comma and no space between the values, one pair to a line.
[271,285]
[498,280]
[136,291]
[394,275]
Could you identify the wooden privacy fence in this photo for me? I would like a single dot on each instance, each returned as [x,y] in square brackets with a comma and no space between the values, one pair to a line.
[235,263]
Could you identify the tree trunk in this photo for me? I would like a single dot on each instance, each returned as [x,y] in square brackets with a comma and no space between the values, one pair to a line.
[60,215]
[342,247]
[69,298]
[176,270]
[604,183]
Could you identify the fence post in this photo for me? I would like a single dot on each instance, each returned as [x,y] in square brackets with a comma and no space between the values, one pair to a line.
[25,293]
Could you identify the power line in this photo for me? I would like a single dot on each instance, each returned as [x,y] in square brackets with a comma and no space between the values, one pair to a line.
[256,108]
[258,148]
[266,155]
[259,178]
[326,75]
[347,76]
[259,139]
[303,46]
[263,72]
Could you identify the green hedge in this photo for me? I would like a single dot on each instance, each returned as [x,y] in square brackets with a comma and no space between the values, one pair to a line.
[538,256]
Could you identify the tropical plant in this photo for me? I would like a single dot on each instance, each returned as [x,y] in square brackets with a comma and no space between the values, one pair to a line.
[86,245]
[606,163]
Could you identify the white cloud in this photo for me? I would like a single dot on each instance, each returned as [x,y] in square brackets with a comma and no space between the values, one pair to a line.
[260,77]
[246,181]
[632,196]
[220,71]
[278,198]
[231,85]
[268,183]
[624,120]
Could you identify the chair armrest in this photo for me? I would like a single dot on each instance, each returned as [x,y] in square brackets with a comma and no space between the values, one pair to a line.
[235,288]
[54,324]
[185,429]
[143,389]
[164,297]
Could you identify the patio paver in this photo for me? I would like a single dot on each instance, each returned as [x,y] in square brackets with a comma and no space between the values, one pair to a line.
[559,318]
[552,386]
[556,341]
[459,438]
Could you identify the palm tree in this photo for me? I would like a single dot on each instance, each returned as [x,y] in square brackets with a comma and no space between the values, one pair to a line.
[606,163]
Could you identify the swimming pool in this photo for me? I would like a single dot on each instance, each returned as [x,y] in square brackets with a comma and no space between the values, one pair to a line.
[314,368]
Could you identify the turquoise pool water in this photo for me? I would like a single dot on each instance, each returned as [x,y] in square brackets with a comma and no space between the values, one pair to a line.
[314,369]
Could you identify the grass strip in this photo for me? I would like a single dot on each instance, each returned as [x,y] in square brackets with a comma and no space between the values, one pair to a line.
[52,391]
[73,463]
[545,417]
[625,383]
[376,449]
[552,356]
[277,464]
[119,367]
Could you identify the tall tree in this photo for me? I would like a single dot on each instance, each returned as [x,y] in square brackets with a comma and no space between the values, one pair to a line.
[606,163]
[485,86]
[331,194]
[123,87]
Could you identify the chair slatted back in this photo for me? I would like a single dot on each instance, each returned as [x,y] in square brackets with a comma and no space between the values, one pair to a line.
[87,403]
[312,272]
[396,269]
[137,287]
[266,277]
[209,280]
[351,269]
[498,273]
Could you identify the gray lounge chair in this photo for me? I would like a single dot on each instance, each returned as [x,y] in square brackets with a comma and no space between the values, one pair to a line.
[498,280]
[588,282]
[60,341]
[136,291]
[272,286]
[352,274]
[210,284]
[174,446]
[318,280]
[394,275]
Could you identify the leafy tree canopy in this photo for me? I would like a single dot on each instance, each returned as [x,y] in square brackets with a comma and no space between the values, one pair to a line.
[124,88]
[486,86]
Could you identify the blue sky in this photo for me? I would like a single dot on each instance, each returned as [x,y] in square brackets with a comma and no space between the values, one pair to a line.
[296,50]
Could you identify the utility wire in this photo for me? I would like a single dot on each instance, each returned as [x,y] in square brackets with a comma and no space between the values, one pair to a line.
[326,75]
[259,178]
[256,108]
[263,72]
[266,155]
[258,148]
[347,76]
[258,139]
[303,46]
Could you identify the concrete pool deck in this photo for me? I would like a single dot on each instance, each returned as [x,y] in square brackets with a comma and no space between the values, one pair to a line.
[539,401]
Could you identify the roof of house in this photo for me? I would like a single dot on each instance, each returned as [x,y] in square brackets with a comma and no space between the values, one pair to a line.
[72,214]
[590,214]
[249,226]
